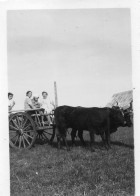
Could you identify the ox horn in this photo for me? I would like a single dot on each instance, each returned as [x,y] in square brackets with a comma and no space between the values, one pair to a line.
[117,102]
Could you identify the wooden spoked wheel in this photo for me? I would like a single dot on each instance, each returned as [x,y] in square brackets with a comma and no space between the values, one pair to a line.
[22,131]
[46,134]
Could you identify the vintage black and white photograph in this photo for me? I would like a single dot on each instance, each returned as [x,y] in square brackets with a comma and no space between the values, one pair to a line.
[70,102]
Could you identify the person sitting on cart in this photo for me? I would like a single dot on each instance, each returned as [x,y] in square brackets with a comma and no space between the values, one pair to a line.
[35,102]
[28,102]
[37,105]
[47,105]
[11,101]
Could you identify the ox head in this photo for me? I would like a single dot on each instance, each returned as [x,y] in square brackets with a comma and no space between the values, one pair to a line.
[127,115]
[118,117]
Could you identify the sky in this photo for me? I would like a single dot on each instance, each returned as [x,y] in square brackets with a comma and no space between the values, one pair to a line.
[86,51]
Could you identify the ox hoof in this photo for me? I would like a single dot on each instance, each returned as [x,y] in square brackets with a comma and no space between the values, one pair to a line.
[66,148]
[108,147]
[84,144]
[92,150]
[73,145]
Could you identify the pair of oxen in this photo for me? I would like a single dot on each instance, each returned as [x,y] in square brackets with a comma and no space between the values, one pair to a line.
[99,121]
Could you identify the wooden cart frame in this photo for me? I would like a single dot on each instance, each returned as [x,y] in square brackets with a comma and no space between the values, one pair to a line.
[25,126]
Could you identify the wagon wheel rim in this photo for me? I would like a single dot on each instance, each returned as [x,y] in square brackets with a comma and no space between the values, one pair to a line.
[21,131]
[46,135]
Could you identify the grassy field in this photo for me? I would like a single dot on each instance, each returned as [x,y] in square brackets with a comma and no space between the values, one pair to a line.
[46,171]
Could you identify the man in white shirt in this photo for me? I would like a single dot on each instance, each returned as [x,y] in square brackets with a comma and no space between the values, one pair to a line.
[11,101]
[47,105]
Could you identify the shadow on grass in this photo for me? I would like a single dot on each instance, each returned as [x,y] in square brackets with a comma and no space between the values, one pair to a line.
[118,143]
[98,144]
[41,142]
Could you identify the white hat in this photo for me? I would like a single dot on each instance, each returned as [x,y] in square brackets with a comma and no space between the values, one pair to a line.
[36,95]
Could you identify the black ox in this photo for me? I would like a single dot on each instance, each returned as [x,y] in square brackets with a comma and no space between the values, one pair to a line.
[96,120]
[113,126]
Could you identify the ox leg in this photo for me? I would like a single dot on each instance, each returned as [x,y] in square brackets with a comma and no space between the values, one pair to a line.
[64,139]
[103,136]
[58,138]
[92,139]
[103,139]
[107,133]
[73,136]
[65,142]
[80,135]
[59,142]
[61,135]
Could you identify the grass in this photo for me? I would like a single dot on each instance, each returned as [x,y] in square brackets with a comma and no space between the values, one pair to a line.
[46,171]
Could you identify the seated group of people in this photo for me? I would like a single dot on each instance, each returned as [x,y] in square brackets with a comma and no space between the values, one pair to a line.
[33,103]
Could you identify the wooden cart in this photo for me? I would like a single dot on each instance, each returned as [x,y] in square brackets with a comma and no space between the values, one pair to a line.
[25,126]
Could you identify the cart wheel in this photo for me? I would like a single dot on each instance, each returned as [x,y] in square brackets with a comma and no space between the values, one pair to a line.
[22,131]
[46,134]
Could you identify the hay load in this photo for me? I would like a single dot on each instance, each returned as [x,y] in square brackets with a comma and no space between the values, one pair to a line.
[124,99]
